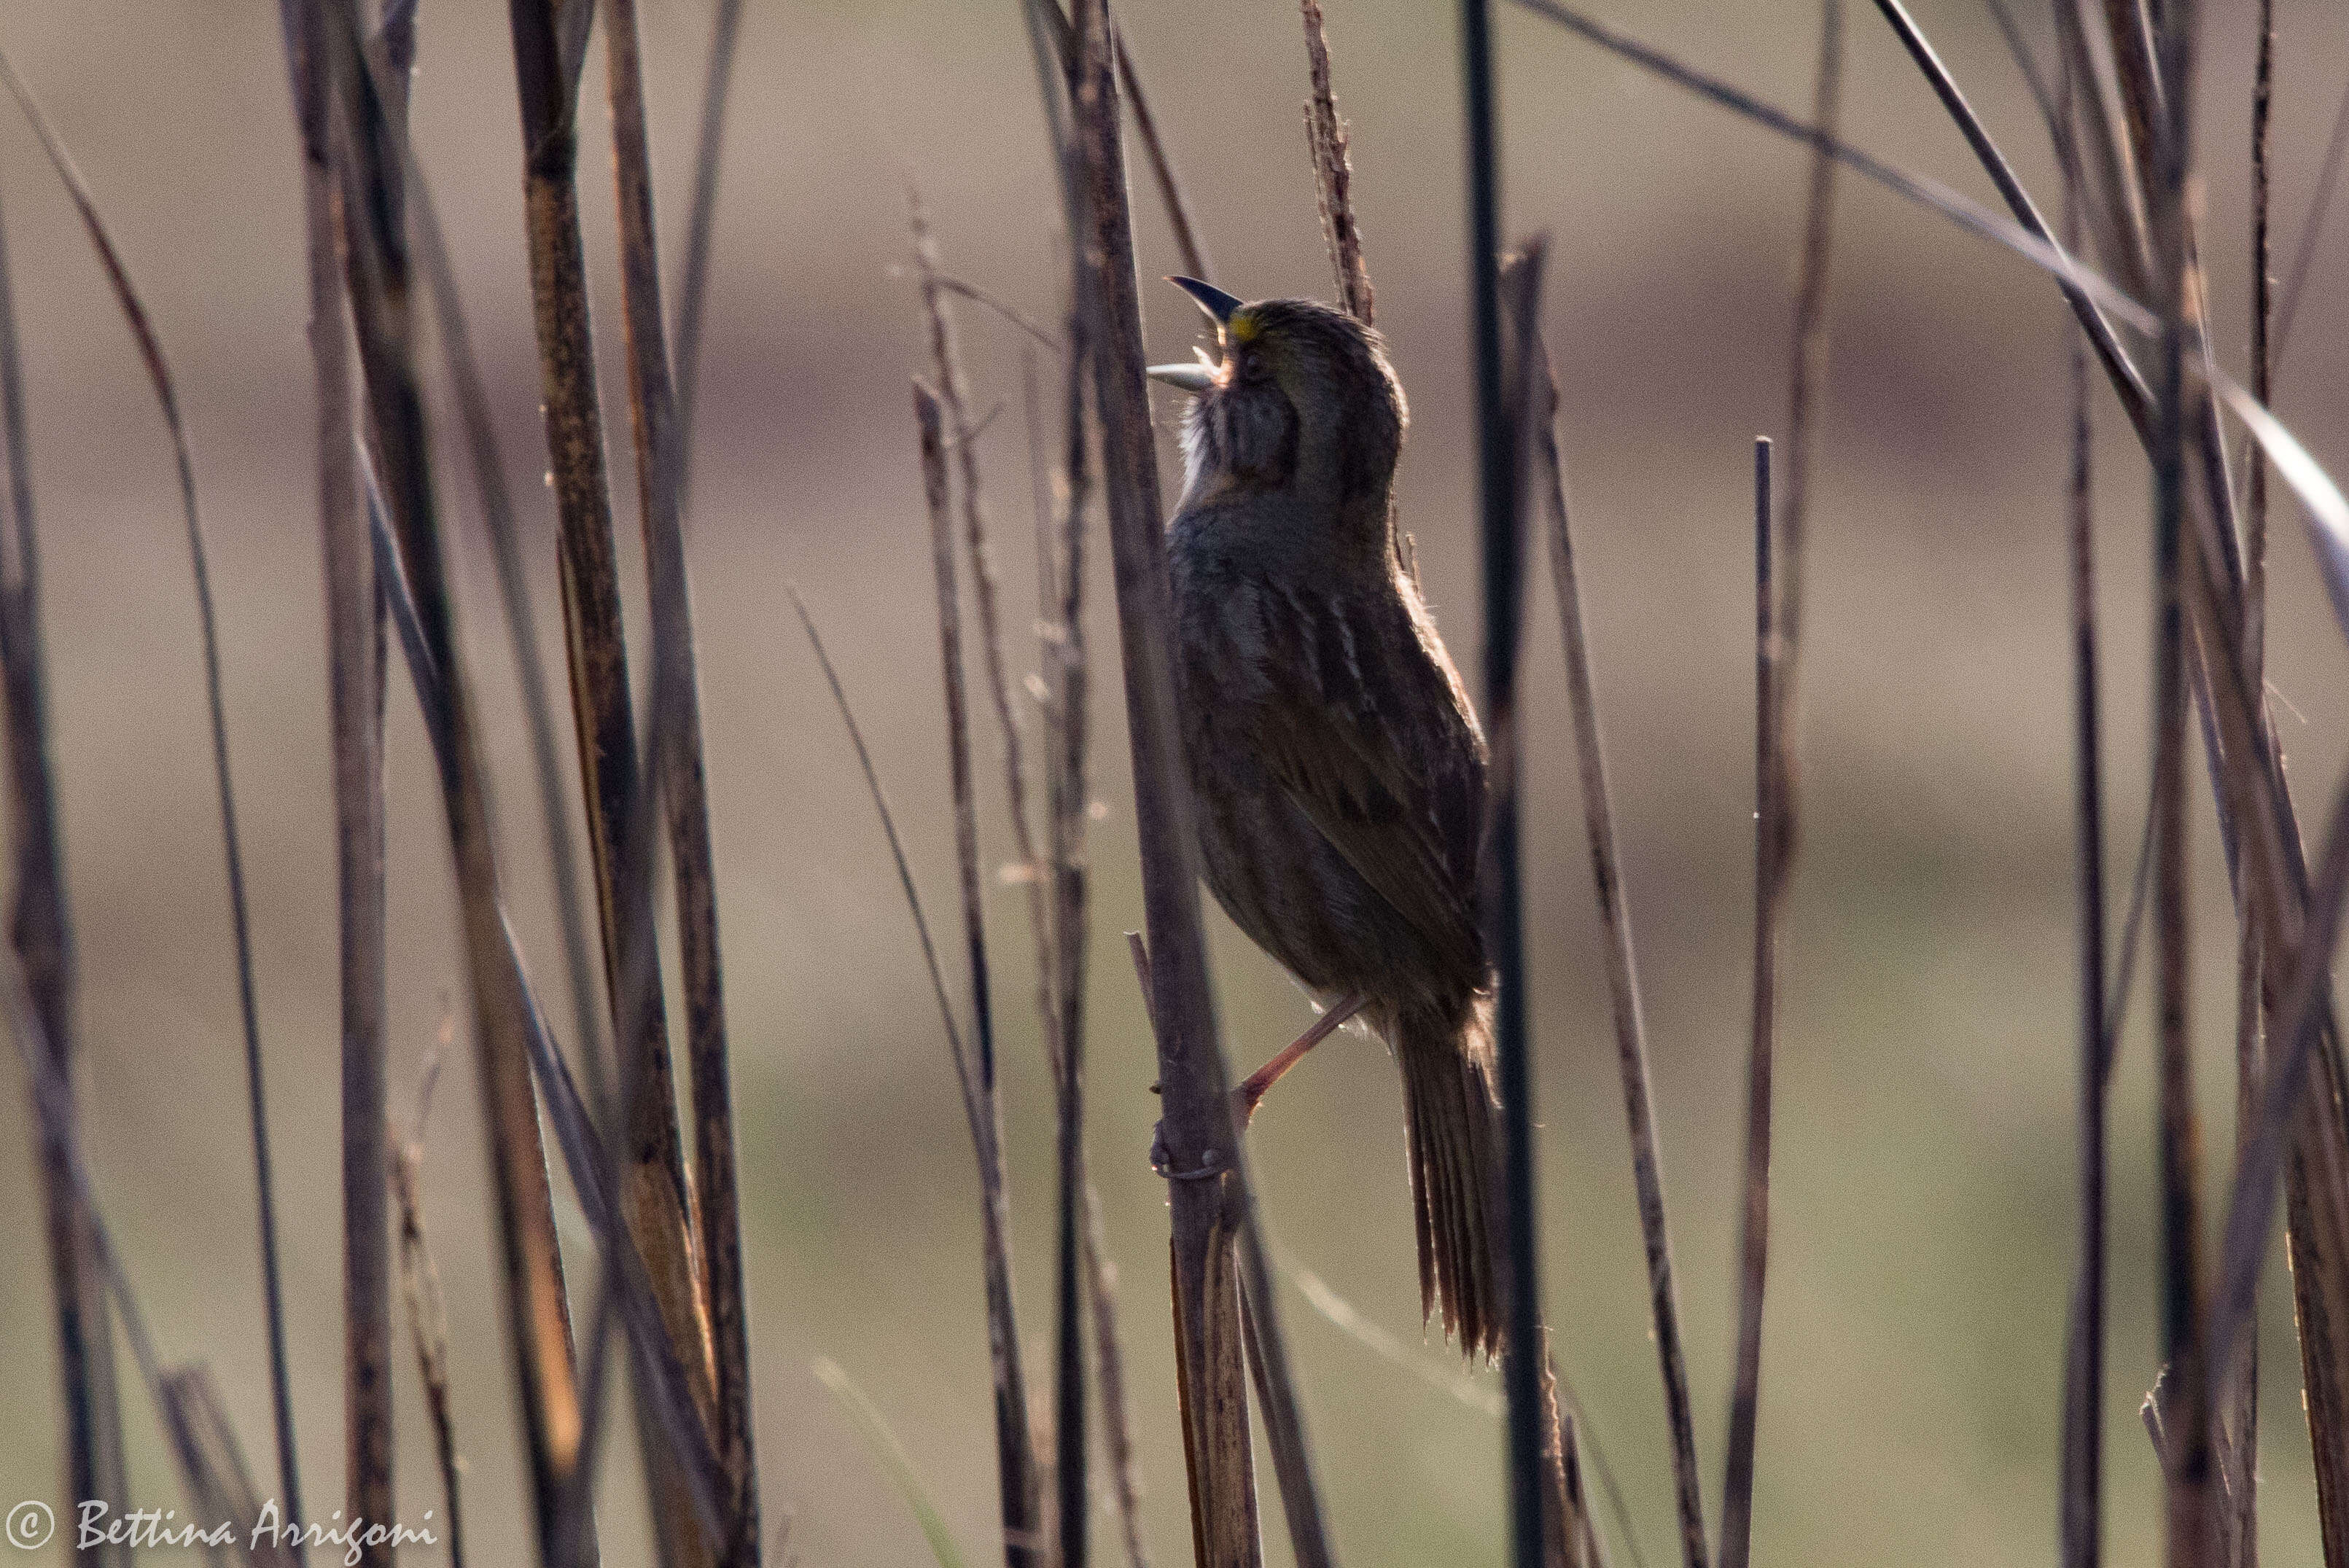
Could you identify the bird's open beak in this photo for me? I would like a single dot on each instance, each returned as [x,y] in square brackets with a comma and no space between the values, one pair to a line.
[1192,379]
[1218,304]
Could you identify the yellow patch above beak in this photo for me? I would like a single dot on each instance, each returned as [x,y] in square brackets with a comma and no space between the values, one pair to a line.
[1242,326]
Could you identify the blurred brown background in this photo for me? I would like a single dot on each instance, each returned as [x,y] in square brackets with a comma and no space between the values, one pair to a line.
[1923,1211]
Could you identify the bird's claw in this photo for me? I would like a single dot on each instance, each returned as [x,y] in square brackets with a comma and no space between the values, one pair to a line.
[1162,1162]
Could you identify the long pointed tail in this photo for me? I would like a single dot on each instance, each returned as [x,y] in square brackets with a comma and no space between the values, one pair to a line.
[1451,1105]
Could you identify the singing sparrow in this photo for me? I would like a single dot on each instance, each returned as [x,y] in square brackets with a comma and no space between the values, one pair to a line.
[1337,768]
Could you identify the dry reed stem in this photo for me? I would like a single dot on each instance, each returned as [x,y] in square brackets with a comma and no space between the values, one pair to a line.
[2253,793]
[1055,43]
[1061,967]
[1053,881]
[1001,307]
[1504,406]
[2080,1518]
[1081,1242]
[355,691]
[2324,1334]
[1076,1206]
[2265,796]
[2303,255]
[195,1421]
[1770,836]
[1043,480]
[538,1322]
[1807,374]
[1570,1539]
[1002,1337]
[2304,1106]
[1547,472]
[2237,1415]
[1068,710]
[1779,668]
[1109,1361]
[980,1127]
[2128,381]
[961,1059]
[2255,516]
[2302,1087]
[590,579]
[1102,1278]
[1067,685]
[1333,173]
[1188,245]
[2214,588]
[1210,1195]
[159,375]
[475,419]
[1053,49]
[2318,1192]
[356,686]
[1532,406]
[2191,1503]
[2110,178]
[1062,582]
[664,1386]
[2242,763]
[1017,1476]
[693,291]
[953,393]
[655,1197]
[716,1228]
[1565,1528]
[2181,1339]
[203,1449]
[354,643]
[40,934]
[2129,33]
[420,1287]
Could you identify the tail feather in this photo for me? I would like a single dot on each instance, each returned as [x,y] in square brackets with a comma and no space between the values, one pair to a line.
[1452,1109]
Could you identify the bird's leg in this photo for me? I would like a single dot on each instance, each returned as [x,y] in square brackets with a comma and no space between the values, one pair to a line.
[1245,1098]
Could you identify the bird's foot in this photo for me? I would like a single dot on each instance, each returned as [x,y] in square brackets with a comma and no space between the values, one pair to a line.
[1163,1162]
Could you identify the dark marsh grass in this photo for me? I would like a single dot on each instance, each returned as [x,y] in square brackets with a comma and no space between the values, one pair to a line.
[1213,1204]
[41,940]
[664,1211]
[99,1450]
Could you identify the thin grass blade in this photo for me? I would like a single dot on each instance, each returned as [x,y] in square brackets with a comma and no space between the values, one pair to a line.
[884,1447]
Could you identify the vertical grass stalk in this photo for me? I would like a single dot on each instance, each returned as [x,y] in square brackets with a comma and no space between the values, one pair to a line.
[159,376]
[1772,835]
[1535,392]
[2237,1417]
[2187,1463]
[717,1235]
[1212,1201]
[1334,171]
[40,934]
[1015,1446]
[701,218]
[1501,531]
[469,392]
[375,260]
[2080,1518]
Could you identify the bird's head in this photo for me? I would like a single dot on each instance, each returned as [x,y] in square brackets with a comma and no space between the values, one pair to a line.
[1301,397]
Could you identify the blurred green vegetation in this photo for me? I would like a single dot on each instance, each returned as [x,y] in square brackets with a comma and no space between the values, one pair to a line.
[1921,1235]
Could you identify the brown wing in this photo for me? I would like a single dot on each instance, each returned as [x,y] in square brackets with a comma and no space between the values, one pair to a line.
[1367,730]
